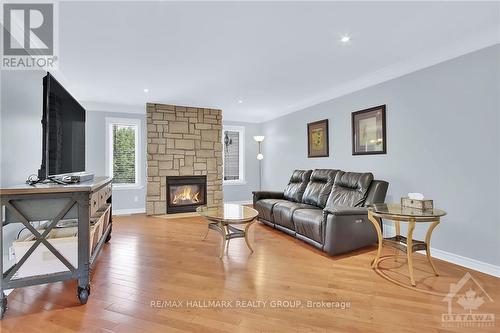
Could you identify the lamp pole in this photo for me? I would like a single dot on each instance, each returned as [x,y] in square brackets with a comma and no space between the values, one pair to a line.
[260,157]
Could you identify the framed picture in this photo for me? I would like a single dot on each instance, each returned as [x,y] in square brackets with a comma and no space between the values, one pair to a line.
[368,131]
[317,139]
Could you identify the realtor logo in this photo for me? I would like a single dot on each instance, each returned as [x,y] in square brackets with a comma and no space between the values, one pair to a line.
[470,296]
[28,29]
[29,36]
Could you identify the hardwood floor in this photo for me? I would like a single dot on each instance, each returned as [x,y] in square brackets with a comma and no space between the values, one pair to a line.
[150,260]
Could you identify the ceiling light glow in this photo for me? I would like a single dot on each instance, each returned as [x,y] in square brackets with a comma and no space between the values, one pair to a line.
[146,90]
[345,39]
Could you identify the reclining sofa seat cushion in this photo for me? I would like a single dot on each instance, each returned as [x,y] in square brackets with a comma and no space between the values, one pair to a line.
[349,189]
[294,190]
[310,224]
[283,211]
[265,208]
[283,214]
[297,185]
[319,187]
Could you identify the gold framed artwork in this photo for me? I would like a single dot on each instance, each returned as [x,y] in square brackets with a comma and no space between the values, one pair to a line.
[368,131]
[317,139]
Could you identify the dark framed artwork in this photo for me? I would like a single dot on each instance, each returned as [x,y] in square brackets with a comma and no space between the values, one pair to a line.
[317,139]
[368,131]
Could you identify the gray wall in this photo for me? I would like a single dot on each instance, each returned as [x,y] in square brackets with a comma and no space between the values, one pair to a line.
[134,199]
[443,140]
[21,130]
[21,133]
[243,192]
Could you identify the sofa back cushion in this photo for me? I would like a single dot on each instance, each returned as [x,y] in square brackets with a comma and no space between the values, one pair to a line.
[319,187]
[349,189]
[298,182]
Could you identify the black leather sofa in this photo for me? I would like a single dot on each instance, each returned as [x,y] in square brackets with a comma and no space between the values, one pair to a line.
[325,208]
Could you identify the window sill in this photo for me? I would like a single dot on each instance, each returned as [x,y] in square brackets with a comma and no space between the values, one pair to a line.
[119,187]
[234,182]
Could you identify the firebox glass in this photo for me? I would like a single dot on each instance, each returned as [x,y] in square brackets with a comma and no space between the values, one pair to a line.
[182,195]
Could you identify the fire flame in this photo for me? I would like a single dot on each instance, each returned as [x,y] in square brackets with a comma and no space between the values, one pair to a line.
[186,194]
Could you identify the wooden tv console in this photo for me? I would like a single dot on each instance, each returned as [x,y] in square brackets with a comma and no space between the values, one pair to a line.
[86,202]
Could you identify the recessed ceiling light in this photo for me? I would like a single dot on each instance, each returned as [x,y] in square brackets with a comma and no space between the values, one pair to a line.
[345,39]
[240,101]
[146,90]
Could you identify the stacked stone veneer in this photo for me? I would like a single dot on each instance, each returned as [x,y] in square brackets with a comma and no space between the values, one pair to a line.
[182,141]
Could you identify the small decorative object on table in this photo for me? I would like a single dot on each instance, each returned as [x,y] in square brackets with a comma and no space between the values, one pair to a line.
[417,201]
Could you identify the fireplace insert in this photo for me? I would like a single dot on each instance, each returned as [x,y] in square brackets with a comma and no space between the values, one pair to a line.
[186,193]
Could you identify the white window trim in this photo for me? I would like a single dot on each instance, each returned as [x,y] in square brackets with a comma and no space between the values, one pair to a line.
[109,151]
[241,130]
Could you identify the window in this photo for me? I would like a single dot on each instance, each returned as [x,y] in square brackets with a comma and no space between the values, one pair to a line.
[123,156]
[233,139]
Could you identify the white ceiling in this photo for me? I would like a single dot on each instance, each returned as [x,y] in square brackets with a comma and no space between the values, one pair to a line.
[275,57]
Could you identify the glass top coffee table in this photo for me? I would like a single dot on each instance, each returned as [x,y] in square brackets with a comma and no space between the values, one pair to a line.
[398,213]
[223,218]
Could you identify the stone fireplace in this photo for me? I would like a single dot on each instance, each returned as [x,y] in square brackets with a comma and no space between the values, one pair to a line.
[183,142]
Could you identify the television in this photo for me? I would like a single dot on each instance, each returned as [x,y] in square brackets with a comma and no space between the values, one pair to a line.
[63,123]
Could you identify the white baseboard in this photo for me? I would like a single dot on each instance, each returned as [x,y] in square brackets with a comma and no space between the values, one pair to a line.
[243,202]
[456,259]
[129,211]
[474,264]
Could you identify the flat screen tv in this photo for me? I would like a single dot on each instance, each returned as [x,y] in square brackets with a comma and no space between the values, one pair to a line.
[63,123]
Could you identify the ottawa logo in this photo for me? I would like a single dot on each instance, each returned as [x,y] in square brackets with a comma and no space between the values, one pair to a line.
[469,295]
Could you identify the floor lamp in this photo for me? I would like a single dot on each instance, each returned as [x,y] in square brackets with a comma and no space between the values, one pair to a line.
[260,157]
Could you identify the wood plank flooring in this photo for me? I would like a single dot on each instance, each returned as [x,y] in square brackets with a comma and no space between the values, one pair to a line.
[153,261]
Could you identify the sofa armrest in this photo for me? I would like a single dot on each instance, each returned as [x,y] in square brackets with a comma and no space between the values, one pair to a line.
[259,195]
[346,211]
[347,229]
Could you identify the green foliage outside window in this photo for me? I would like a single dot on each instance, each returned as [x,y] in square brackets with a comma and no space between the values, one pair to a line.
[123,154]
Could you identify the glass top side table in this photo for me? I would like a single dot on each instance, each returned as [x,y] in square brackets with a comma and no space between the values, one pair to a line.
[397,214]
[223,217]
